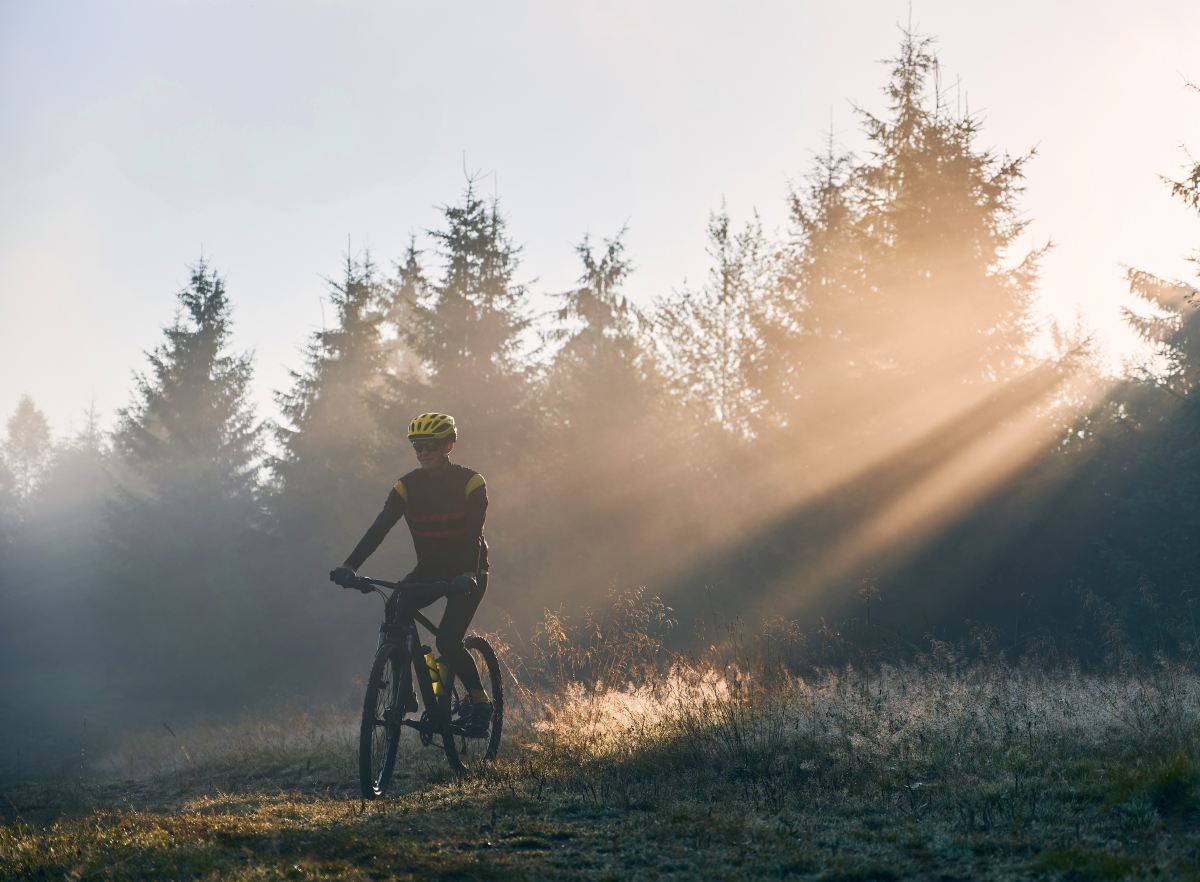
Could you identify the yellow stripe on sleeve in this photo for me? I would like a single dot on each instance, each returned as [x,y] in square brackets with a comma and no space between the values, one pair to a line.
[401,489]
[474,484]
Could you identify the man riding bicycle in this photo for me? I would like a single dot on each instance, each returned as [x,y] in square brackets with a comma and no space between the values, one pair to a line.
[445,504]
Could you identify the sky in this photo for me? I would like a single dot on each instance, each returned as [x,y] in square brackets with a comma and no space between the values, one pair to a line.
[269,137]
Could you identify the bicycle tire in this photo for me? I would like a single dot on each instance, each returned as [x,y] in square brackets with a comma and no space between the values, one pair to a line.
[464,754]
[379,738]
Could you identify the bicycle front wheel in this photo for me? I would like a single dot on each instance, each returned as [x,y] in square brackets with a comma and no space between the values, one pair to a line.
[469,754]
[388,687]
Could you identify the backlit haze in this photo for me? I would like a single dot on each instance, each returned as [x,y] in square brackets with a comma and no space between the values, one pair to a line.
[272,136]
[840,429]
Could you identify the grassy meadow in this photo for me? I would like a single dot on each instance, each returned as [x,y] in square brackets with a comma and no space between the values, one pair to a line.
[620,762]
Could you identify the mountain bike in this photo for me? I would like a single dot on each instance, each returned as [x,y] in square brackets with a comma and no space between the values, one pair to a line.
[391,704]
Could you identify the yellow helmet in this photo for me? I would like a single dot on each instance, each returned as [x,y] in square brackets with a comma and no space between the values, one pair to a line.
[432,427]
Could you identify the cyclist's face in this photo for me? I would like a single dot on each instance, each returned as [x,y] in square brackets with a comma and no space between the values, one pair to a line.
[431,453]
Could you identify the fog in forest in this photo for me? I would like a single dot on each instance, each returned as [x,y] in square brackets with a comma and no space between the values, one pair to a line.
[854,429]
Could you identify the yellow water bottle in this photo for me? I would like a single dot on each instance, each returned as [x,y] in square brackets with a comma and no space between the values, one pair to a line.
[432,664]
[443,672]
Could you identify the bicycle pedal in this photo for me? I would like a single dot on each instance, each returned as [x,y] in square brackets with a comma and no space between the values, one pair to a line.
[393,716]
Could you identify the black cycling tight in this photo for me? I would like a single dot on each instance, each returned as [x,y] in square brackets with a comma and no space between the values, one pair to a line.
[460,609]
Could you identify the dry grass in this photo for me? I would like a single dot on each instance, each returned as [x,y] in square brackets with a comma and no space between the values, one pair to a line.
[671,768]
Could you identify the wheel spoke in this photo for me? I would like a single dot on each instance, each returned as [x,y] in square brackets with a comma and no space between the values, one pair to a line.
[380,729]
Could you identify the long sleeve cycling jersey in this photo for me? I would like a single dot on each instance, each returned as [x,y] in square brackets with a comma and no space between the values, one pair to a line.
[445,507]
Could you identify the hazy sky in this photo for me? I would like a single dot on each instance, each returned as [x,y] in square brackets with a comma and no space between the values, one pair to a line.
[134,135]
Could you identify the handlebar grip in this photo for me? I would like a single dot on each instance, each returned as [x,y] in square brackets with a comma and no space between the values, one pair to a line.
[358,583]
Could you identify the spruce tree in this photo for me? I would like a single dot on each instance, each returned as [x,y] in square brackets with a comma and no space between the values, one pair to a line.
[27,455]
[941,220]
[61,559]
[596,322]
[599,366]
[184,526]
[27,449]
[601,408]
[466,333]
[808,357]
[8,503]
[77,487]
[190,424]
[1172,328]
[710,336]
[898,304]
[1168,386]
[408,288]
[1112,514]
[333,468]
[327,436]
[400,296]
[1160,514]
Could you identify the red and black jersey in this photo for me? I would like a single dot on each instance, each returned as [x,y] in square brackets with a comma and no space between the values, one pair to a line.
[445,507]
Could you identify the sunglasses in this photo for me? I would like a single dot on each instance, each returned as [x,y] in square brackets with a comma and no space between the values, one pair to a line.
[431,446]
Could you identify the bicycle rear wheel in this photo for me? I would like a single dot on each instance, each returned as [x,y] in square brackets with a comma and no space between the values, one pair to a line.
[471,754]
[388,687]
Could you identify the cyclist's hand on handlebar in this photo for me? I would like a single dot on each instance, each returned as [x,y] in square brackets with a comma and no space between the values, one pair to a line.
[343,576]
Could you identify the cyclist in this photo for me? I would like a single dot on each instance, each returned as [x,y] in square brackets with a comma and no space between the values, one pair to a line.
[445,505]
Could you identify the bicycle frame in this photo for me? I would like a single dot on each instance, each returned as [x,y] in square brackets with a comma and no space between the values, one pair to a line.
[399,628]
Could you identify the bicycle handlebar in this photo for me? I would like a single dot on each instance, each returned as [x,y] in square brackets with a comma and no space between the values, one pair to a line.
[443,587]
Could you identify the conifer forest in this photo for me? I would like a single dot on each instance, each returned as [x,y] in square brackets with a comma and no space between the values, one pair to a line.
[838,561]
